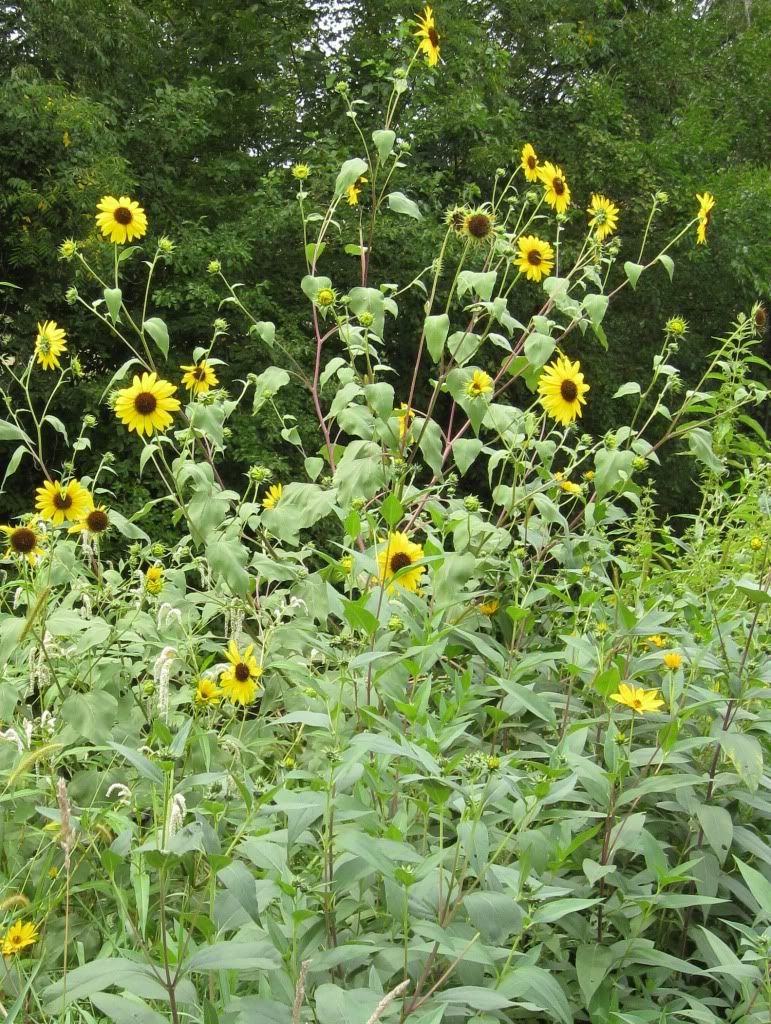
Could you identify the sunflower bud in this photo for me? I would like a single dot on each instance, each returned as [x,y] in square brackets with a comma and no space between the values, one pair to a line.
[165,246]
[68,249]
[639,463]
[221,325]
[214,267]
[471,503]
[71,296]
[89,421]
[259,474]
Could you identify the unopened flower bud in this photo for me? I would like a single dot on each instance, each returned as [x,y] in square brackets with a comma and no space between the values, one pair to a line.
[71,296]
[221,325]
[165,246]
[214,267]
[89,421]
[471,503]
[639,463]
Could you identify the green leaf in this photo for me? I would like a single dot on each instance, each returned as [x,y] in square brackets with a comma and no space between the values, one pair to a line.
[360,617]
[391,510]
[10,432]
[700,443]
[87,980]
[13,463]
[430,443]
[113,298]
[633,271]
[436,328]
[381,397]
[384,140]
[314,251]
[495,914]
[267,384]
[746,755]
[266,332]
[718,827]
[612,467]
[539,348]
[227,558]
[399,203]
[92,715]
[557,909]
[121,1010]
[592,965]
[234,956]
[480,283]
[759,886]
[350,172]
[143,765]
[159,332]
[465,451]
[596,306]
[630,388]
[668,263]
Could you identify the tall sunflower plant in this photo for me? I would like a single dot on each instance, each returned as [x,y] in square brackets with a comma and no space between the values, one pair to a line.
[472,755]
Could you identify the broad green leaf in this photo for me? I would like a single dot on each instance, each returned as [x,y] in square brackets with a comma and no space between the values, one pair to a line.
[718,827]
[596,306]
[121,1010]
[399,203]
[234,956]
[96,976]
[759,886]
[143,765]
[633,271]
[700,443]
[10,432]
[465,451]
[159,332]
[437,328]
[267,384]
[668,263]
[227,558]
[746,755]
[592,965]
[349,173]
[478,282]
[384,140]
[92,715]
[113,298]
[539,348]
[630,388]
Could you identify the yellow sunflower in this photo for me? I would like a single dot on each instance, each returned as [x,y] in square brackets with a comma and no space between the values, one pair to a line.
[535,258]
[529,163]
[93,522]
[429,37]
[405,420]
[121,220]
[18,937]
[207,693]
[561,389]
[353,192]
[636,699]
[706,205]
[273,496]
[569,487]
[57,502]
[479,226]
[455,218]
[479,384]
[603,216]
[301,171]
[154,579]
[23,541]
[49,344]
[240,682]
[673,660]
[557,191]
[199,377]
[147,405]
[490,606]
[397,556]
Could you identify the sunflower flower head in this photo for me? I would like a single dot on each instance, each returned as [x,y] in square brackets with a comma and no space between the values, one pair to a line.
[398,560]
[479,385]
[557,193]
[490,606]
[706,206]
[673,660]
[207,694]
[56,501]
[121,220]
[240,681]
[535,258]
[23,542]
[637,700]
[273,496]
[529,162]
[49,344]
[561,389]
[93,522]
[455,218]
[676,326]
[603,217]
[199,377]
[154,579]
[301,171]
[18,937]
[147,405]
[353,191]
[429,37]
[479,226]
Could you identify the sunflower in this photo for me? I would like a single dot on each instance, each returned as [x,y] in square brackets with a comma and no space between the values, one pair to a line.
[561,389]
[706,205]
[479,384]
[656,640]
[490,606]
[557,191]
[398,554]
[673,660]
[147,405]
[677,326]
[93,522]
[569,487]
[273,496]
[240,681]
[18,937]
[406,416]
[121,220]
[300,172]
[637,699]
[535,259]
[479,225]
[429,37]
[326,297]
[199,377]
[207,693]
[154,579]
[604,216]
[23,541]
[57,502]
[353,192]
[49,344]
[529,163]
[455,218]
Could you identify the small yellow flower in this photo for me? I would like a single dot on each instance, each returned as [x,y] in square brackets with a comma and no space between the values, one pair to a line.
[121,220]
[49,344]
[57,502]
[636,699]
[706,205]
[535,259]
[588,475]
[557,193]
[240,682]
[657,641]
[601,628]
[23,541]
[490,606]
[479,385]
[673,660]
[154,579]
[301,171]
[199,377]
[429,37]
[207,693]
[18,937]
[53,872]
[561,389]
[569,487]
[273,496]
[677,326]
[529,163]
[399,556]
[405,420]
[603,216]
[346,564]
[325,298]
[756,543]
[353,192]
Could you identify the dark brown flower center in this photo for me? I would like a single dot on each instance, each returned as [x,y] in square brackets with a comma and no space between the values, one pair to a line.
[123,215]
[532,163]
[399,561]
[242,672]
[145,403]
[97,520]
[479,225]
[559,186]
[199,373]
[569,390]
[433,36]
[534,258]
[457,219]
[62,500]
[23,540]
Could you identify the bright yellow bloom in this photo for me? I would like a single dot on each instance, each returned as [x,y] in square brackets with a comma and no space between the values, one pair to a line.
[93,522]
[657,641]
[535,259]
[569,487]
[18,937]
[346,564]
[706,205]
[147,405]
[57,502]
[479,385]
[636,699]
[490,606]
[604,216]
[240,682]
[326,297]
[588,475]
[49,344]
[756,543]
[400,555]
[673,660]
[273,496]
[405,420]
[199,377]
[23,541]
[301,171]
[207,693]
[121,220]
[429,37]
[557,191]
[561,388]
[529,163]
[478,226]
[354,191]
[154,579]
[677,326]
